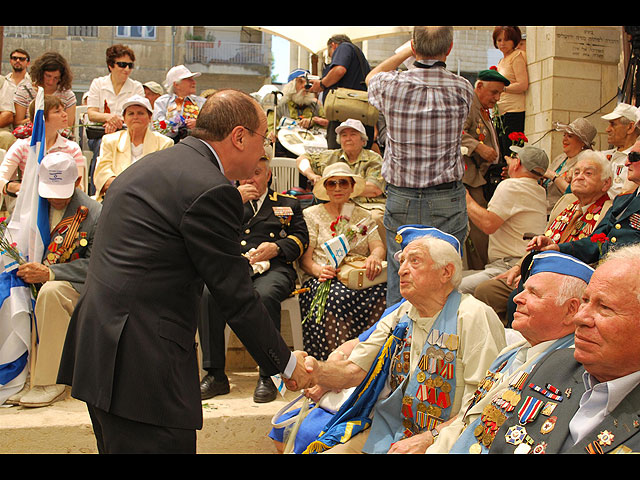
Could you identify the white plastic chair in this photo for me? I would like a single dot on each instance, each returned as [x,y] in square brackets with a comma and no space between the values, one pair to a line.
[284,174]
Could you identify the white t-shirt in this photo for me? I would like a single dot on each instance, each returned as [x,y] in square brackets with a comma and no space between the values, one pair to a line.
[522,204]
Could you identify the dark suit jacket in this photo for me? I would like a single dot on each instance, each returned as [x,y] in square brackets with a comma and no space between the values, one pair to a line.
[620,225]
[265,226]
[562,371]
[75,270]
[170,222]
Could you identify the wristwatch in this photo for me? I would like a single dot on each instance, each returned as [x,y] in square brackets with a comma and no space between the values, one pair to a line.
[435,432]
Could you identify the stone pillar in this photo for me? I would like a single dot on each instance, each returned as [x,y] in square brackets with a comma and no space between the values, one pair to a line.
[573,72]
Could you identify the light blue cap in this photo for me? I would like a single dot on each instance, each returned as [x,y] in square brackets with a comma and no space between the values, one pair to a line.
[407,233]
[557,262]
[297,73]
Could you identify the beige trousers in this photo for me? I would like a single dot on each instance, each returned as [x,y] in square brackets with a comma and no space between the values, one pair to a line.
[54,306]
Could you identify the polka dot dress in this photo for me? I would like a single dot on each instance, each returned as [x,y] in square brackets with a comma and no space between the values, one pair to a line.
[347,314]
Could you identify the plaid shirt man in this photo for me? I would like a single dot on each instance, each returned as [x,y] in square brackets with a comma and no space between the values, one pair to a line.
[425,109]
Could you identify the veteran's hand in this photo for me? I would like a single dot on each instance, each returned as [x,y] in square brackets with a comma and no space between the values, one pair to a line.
[248,192]
[33,272]
[542,243]
[414,444]
[265,251]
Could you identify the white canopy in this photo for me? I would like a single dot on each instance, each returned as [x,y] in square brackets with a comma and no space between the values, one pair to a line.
[314,38]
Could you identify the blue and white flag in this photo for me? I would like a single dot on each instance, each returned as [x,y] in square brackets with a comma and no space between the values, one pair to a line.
[29,229]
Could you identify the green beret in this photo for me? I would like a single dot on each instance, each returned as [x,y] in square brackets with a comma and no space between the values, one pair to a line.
[492,76]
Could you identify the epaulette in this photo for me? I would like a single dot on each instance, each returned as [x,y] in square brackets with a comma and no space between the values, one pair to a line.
[275,195]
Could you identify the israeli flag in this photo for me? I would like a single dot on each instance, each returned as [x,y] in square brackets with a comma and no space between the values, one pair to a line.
[29,229]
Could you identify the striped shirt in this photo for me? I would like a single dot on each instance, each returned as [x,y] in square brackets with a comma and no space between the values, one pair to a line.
[17,155]
[425,109]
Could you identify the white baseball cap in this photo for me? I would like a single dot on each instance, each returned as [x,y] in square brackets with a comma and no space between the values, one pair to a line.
[177,73]
[622,110]
[351,123]
[57,174]
[137,100]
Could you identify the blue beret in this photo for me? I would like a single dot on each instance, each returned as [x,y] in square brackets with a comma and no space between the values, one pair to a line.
[556,262]
[297,73]
[408,233]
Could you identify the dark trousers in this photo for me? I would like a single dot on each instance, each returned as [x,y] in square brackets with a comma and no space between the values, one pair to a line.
[272,286]
[115,434]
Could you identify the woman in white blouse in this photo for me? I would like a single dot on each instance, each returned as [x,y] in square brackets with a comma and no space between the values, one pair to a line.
[124,147]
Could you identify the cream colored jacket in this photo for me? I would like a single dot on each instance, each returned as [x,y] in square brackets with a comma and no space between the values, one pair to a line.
[115,154]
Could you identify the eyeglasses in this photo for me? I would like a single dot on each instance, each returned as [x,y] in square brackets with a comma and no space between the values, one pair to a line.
[125,64]
[634,157]
[18,59]
[331,184]
[267,141]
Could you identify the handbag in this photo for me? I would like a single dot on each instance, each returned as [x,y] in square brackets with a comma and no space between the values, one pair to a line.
[94,131]
[354,276]
[344,103]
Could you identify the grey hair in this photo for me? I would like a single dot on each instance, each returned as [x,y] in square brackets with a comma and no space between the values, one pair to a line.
[627,253]
[431,42]
[599,159]
[570,287]
[442,253]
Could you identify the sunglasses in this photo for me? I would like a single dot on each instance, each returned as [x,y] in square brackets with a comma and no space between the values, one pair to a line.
[634,157]
[19,59]
[125,64]
[331,184]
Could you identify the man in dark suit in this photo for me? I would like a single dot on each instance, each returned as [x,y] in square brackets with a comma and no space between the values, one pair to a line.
[587,399]
[620,226]
[273,236]
[170,224]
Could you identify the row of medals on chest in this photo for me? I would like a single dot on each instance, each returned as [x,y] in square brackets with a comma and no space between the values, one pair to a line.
[433,360]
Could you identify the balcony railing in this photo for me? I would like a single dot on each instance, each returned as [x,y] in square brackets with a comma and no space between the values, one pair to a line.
[226,53]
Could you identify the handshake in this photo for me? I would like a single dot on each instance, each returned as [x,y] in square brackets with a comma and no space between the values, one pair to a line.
[329,375]
[303,376]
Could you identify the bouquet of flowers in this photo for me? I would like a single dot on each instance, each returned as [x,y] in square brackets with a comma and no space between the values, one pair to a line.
[11,257]
[168,127]
[345,237]
[518,139]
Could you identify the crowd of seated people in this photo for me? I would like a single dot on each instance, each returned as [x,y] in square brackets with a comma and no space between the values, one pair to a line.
[553,228]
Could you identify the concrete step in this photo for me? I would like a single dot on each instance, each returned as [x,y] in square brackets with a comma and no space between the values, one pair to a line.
[233,423]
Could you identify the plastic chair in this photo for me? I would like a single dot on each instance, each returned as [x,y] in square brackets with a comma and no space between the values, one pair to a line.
[284,174]
[292,307]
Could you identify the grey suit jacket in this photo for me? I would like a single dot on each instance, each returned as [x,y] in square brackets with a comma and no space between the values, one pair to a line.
[75,271]
[562,371]
[474,126]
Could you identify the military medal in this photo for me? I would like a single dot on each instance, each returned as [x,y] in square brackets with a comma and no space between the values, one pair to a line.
[605,438]
[541,448]
[548,425]
[548,408]
[515,434]
[529,410]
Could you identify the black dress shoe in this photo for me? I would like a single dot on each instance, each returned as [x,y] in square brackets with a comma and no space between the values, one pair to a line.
[210,387]
[265,391]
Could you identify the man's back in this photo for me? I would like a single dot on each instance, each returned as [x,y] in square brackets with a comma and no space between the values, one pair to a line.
[425,109]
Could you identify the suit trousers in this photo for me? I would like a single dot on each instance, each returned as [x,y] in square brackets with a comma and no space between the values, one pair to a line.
[273,287]
[115,434]
[54,306]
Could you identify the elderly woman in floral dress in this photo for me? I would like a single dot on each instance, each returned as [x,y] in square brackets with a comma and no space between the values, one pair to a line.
[347,312]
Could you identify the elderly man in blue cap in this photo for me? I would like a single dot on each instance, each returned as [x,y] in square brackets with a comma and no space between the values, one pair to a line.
[545,318]
[421,363]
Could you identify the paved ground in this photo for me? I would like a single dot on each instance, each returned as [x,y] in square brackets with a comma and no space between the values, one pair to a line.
[233,423]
